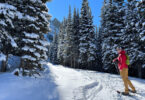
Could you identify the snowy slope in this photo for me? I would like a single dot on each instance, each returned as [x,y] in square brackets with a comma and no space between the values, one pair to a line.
[90,85]
[60,83]
[26,88]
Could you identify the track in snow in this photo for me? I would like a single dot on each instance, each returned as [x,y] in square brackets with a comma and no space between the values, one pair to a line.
[90,85]
[87,92]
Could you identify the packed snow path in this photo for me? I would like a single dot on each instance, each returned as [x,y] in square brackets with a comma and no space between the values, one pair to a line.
[90,85]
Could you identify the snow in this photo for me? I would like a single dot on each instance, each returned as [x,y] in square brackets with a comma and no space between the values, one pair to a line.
[90,85]
[44,43]
[29,57]
[143,24]
[26,88]
[13,43]
[37,54]
[31,35]
[32,25]
[92,45]
[3,23]
[13,62]
[41,47]
[30,18]
[143,38]
[2,57]
[60,83]
[43,17]
[30,41]
[6,6]
[36,1]
[26,48]
[82,50]
[143,66]
[142,33]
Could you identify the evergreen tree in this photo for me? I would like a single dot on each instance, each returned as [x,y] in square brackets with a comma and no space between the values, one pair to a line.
[8,44]
[99,48]
[140,25]
[84,31]
[68,41]
[92,51]
[32,44]
[60,44]
[26,22]
[130,37]
[75,50]
[113,25]
[87,46]
[54,49]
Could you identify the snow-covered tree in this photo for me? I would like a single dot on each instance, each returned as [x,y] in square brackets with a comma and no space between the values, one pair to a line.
[140,26]
[68,56]
[76,28]
[7,41]
[54,49]
[61,42]
[34,24]
[130,36]
[113,24]
[23,24]
[87,46]
[84,31]
[92,51]
[98,49]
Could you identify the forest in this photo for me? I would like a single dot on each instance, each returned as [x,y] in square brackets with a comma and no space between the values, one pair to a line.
[80,44]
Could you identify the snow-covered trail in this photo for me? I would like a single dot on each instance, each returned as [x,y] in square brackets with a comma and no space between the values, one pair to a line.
[89,85]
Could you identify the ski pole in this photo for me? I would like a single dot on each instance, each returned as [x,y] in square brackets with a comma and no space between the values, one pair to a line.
[116,68]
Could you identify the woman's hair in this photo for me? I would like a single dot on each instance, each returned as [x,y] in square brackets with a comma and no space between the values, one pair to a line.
[120,48]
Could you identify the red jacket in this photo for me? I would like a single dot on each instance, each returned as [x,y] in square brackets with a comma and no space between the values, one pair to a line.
[122,60]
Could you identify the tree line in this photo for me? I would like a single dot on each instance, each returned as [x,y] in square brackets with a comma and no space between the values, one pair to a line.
[76,44]
[79,45]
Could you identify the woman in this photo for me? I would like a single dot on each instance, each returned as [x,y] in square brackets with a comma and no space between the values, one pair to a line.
[123,67]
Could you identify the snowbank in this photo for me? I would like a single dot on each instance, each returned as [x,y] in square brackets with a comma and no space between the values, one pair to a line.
[25,88]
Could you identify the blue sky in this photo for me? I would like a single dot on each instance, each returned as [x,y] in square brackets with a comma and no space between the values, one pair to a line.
[59,8]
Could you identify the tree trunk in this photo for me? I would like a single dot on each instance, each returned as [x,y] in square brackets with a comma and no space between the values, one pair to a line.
[22,66]
[140,71]
[74,63]
[4,64]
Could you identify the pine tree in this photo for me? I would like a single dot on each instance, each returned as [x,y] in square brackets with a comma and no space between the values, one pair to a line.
[99,48]
[54,49]
[8,44]
[140,25]
[68,57]
[87,46]
[26,22]
[62,42]
[130,35]
[84,31]
[106,23]
[113,24]
[92,51]
[75,49]
[33,26]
